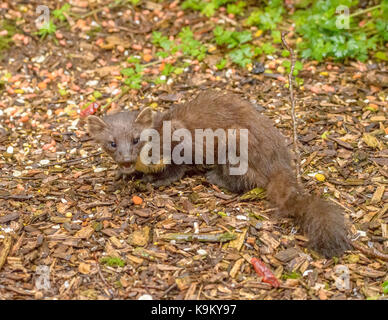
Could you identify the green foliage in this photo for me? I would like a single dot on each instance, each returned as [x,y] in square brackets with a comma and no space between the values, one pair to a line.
[231,39]
[59,13]
[242,56]
[315,22]
[185,43]
[188,45]
[242,52]
[268,18]
[291,275]
[47,29]
[133,75]
[134,2]
[322,38]
[113,261]
[236,8]
[168,69]
[221,64]
[50,28]
[385,287]
[191,47]
[276,36]
[208,8]
[285,53]
[268,48]
[162,41]
[298,66]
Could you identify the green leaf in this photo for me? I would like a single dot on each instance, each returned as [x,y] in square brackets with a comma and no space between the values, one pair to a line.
[59,12]
[168,68]
[221,64]
[385,287]
[381,55]
[276,36]
[97,94]
[285,53]
[113,261]
[254,194]
[127,72]
[47,29]
[268,48]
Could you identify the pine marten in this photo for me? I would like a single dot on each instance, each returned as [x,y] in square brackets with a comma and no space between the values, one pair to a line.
[268,158]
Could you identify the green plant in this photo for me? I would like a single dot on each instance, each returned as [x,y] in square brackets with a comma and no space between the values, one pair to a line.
[236,8]
[46,29]
[385,287]
[191,47]
[59,13]
[242,56]
[231,39]
[134,2]
[221,64]
[242,52]
[298,66]
[113,261]
[208,8]
[134,74]
[322,38]
[268,48]
[276,36]
[168,69]
[291,275]
[268,18]
[162,41]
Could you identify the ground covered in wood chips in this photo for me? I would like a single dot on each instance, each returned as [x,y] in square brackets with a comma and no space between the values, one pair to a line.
[69,231]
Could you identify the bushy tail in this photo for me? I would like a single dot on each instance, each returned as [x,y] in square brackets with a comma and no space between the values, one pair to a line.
[322,221]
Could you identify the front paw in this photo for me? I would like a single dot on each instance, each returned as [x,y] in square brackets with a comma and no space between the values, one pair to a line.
[119,175]
[161,183]
[123,174]
[155,181]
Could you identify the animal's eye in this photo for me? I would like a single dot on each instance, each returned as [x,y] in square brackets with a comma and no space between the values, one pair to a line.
[135,141]
[113,144]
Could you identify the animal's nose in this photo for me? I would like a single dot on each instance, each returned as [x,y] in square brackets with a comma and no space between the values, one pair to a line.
[127,158]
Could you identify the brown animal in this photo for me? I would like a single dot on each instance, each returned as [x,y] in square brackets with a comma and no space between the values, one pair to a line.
[269,160]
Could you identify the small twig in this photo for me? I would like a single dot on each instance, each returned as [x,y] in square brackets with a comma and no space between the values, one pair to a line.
[231,21]
[71,160]
[22,178]
[371,252]
[16,197]
[172,287]
[293,117]
[207,237]
[95,204]
[362,12]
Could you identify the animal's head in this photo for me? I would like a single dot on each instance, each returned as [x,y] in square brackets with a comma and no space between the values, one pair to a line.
[119,134]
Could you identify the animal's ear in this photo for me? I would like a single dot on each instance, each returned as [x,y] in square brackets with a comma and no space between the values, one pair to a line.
[145,117]
[95,125]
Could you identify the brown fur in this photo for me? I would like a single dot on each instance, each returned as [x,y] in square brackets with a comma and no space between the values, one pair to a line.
[269,163]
